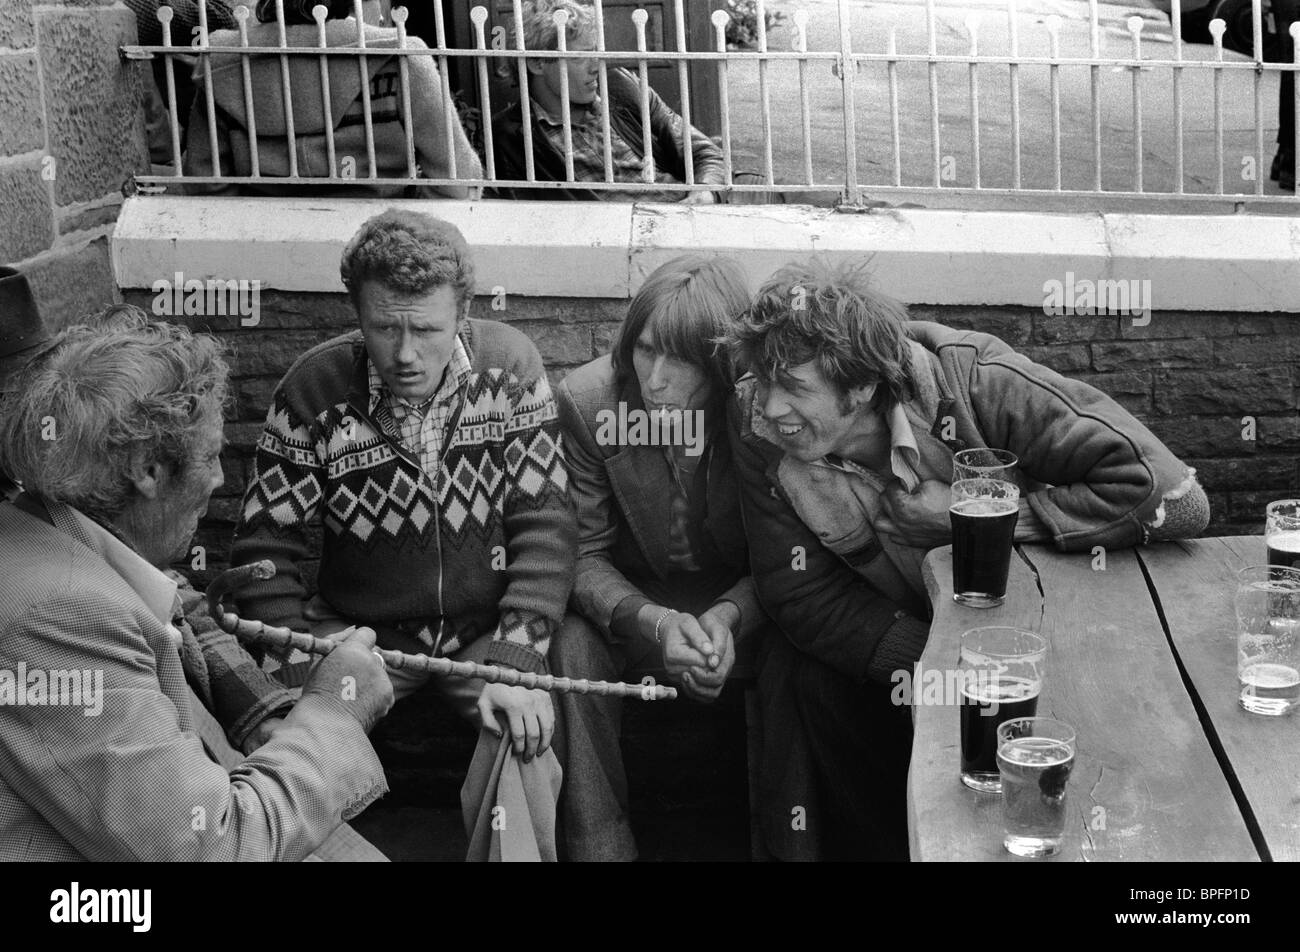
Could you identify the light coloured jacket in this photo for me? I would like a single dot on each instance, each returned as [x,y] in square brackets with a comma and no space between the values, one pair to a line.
[1092,474]
[134,781]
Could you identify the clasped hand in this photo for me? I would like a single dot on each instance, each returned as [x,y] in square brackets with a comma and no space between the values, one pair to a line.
[698,651]
[918,519]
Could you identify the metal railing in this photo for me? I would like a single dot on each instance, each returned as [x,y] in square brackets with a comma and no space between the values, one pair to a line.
[820,161]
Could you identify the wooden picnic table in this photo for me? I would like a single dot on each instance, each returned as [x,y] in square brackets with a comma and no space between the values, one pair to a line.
[1142,662]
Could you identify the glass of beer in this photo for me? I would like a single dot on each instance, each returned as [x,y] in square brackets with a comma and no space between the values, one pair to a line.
[981,462]
[1268,639]
[1282,533]
[1001,678]
[1035,757]
[983,515]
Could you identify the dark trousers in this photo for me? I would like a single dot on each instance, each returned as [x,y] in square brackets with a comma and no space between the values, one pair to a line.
[861,744]
[832,776]
[594,801]
[1286,12]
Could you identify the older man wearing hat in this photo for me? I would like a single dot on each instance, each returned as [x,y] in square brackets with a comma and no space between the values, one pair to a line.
[21,335]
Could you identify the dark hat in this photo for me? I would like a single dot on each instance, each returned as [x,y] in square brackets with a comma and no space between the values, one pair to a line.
[21,329]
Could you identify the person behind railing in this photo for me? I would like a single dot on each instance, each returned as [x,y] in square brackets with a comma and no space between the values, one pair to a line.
[1285,12]
[312,121]
[126,744]
[428,442]
[845,431]
[626,128]
[663,585]
[185,20]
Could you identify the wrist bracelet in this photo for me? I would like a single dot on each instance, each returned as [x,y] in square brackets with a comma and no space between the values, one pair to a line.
[660,620]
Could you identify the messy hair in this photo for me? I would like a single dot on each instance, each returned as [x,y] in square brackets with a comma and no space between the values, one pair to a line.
[409,252]
[539,29]
[688,303]
[831,315]
[105,394]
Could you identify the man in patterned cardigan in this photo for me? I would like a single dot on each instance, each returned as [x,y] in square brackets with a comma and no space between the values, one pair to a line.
[429,444]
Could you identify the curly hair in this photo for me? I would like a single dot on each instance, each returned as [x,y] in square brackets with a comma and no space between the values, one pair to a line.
[688,303]
[409,252]
[103,395]
[834,316]
[539,29]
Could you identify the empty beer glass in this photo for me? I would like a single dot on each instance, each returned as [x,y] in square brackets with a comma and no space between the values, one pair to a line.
[990,464]
[1268,628]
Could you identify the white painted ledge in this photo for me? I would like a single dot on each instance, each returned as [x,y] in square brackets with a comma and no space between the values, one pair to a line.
[569,249]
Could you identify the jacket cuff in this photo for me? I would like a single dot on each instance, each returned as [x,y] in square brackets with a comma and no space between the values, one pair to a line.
[275,704]
[516,656]
[899,648]
[622,624]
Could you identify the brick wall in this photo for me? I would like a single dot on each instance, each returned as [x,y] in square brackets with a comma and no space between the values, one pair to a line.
[70,135]
[1191,377]
[1198,381]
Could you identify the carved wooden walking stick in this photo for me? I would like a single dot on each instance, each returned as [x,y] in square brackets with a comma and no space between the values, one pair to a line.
[255,632]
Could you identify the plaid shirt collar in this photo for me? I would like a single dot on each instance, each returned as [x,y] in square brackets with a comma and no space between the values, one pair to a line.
[453,379]
[577,114]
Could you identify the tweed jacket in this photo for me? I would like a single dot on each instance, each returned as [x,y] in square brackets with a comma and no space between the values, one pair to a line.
[622,494]
[134,781]
[1091,473]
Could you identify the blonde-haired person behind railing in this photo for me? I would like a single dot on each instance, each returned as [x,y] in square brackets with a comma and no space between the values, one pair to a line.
[429,116]
[626,128]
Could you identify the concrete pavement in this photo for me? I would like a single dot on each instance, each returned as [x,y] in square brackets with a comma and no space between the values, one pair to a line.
[871,25]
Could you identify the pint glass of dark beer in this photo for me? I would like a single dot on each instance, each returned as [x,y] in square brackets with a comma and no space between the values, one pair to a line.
[983,515]
[1001,674]
[1282,533]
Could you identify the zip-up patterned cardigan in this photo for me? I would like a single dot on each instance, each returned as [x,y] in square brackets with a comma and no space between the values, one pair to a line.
[487,551]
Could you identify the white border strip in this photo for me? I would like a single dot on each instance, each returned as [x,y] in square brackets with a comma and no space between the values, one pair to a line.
[604,250]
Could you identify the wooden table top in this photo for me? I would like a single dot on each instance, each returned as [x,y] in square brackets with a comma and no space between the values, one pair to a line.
[1142,662]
